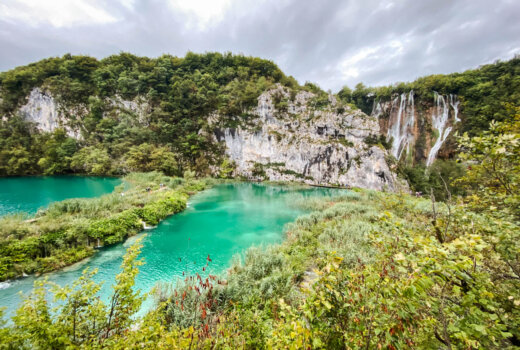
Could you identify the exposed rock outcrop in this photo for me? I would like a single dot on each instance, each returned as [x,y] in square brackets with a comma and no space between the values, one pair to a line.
[289,141]
[138,107]
[41,108]
[48,115]
[322,147]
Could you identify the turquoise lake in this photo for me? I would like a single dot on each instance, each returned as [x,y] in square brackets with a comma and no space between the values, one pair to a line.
[220,222]
[28,194]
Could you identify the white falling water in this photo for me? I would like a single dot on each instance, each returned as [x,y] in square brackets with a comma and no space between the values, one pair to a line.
[440,116]
[377,109]
[410,123]
[454,103]
[400,130]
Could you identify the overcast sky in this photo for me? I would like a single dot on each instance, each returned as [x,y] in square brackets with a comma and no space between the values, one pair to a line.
[332,43]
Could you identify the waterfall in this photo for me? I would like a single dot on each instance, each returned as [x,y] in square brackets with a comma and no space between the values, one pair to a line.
[454,103]
[400,129]
[440,117]
[377,109]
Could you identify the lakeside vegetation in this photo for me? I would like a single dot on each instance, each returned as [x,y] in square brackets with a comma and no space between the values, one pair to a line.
[68,231]
[364,270]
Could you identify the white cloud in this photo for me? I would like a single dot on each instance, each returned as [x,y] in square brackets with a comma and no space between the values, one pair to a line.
[330,42]
[55,12]
[201,13]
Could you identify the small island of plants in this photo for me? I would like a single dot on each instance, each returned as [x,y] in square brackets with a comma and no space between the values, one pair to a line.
[69,231]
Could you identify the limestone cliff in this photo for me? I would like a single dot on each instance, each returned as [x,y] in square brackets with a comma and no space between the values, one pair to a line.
[42,109]
[292,141]
[301,143]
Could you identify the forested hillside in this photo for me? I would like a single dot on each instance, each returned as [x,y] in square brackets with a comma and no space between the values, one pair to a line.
[179,95]
[487,93]
[126,113]
[442,106]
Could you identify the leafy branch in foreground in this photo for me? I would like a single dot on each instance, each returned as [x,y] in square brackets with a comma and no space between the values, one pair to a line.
[494,168]
[80,318]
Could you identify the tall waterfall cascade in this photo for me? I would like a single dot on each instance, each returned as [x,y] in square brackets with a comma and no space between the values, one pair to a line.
[400,129]
[440,119]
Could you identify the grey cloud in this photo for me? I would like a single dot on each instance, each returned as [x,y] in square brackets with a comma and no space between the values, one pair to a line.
[310,40]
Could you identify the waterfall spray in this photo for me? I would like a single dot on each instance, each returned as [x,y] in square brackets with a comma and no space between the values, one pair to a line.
[440,118]
[400,130]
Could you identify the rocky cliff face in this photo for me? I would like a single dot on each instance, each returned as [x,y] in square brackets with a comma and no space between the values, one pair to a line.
[420,130]
[287,142]
[300,143]
[42,109]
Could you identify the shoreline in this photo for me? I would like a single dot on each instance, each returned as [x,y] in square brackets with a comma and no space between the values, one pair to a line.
[156,202]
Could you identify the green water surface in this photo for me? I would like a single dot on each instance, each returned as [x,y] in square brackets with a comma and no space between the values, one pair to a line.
[28,194]
[218,222]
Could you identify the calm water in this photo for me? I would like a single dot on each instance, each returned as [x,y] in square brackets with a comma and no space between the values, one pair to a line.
[28,194]
[219,222]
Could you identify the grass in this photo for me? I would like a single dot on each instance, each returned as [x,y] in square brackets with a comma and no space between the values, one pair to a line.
[271,294]
[68,231]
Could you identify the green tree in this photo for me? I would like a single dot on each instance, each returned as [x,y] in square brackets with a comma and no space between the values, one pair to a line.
[57,152]
[125,302]
[148,157]
[79,318]
[493,175]
[92,160]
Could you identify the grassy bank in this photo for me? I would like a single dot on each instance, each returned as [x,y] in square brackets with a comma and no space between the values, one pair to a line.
[69,231]
[364,270]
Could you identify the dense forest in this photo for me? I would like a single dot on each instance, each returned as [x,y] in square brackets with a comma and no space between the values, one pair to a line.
[180,92]
[487,93]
